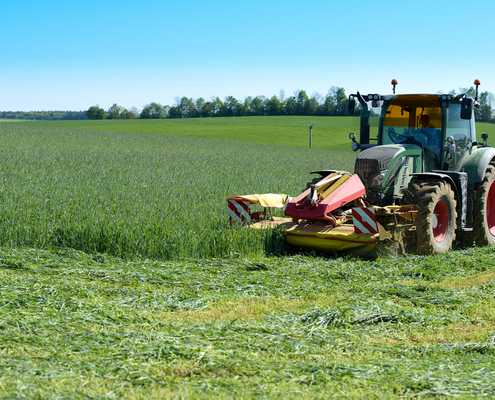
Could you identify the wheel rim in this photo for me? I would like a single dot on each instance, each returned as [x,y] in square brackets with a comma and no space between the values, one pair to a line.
[440,221]
[490,209]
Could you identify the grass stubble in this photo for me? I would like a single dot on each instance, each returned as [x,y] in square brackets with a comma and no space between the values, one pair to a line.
[85,313]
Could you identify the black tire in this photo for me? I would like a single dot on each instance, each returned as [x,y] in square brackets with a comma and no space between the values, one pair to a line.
[484,210]
[435,221]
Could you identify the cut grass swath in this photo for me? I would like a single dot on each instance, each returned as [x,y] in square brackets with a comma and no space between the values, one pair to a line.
[79,325]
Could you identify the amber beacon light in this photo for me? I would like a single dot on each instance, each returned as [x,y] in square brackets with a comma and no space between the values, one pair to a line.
[394,84]
[477,83]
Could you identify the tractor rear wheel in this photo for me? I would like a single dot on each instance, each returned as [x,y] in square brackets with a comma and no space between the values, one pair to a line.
[436,219]
[484,210]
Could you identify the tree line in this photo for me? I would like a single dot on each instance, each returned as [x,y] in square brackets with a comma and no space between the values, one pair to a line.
[485,112]
[334,103]
[44,115]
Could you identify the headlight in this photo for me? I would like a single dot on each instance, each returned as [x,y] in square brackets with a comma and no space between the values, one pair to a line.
[355,146]
[377,180]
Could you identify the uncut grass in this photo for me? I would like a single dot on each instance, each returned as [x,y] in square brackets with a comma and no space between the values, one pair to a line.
[140,195]
[76,325]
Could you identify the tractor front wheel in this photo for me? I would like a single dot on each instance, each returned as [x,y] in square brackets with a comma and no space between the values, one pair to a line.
[484,210]
[436,219]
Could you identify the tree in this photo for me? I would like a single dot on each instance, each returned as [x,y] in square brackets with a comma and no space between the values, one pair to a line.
[273,106]
[471,92]
[174,112]
[208,109]
[187,108]
[134,112]
[217,106]
[257,106]
[129,114]
[125,114]
[145,113]
[338,100]
[328,107]
[200,103]
[114,111]
[95,112]
[247,104]
[485,111]
[232,107]
[289,106]
[228,106]
[302,102]
[152,110]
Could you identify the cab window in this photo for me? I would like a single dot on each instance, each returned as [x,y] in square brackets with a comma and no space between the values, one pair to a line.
[460,130]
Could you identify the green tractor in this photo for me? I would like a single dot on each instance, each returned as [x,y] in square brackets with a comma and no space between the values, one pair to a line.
[426,154]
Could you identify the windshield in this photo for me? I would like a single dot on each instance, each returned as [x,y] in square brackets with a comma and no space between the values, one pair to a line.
[413,119]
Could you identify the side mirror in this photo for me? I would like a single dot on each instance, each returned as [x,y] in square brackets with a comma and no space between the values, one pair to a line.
[467,108]
[351,106]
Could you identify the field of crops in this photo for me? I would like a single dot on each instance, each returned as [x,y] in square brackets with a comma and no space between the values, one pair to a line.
[121,278]
[140,195]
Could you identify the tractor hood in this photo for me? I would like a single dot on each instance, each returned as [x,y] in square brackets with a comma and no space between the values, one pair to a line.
[383,160]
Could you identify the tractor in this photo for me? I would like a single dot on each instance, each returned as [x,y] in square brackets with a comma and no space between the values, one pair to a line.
[423,182]
[426,153]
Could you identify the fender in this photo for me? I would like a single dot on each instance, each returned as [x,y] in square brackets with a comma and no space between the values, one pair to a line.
[476,162]
[459,184]
[437,175]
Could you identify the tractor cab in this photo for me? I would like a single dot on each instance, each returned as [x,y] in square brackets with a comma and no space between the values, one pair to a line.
[417,133]
[439,131]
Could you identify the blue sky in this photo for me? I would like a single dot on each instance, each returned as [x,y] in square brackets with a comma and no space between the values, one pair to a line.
[66,55]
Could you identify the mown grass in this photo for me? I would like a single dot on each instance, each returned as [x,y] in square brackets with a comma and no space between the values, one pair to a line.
[85,326]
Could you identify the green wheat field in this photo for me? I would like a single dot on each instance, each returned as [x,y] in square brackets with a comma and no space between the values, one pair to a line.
[121,277]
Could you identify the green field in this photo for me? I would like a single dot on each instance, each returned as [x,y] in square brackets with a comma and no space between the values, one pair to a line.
[331,132]
[122,279]
[280,131]
[139,195]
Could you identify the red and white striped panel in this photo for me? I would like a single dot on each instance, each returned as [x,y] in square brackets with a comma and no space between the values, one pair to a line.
[239,211]
[364,220]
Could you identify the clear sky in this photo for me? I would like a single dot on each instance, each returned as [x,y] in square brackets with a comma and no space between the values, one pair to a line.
[70,55]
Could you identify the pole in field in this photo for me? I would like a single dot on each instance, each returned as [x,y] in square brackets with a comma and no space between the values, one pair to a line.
[310,125]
